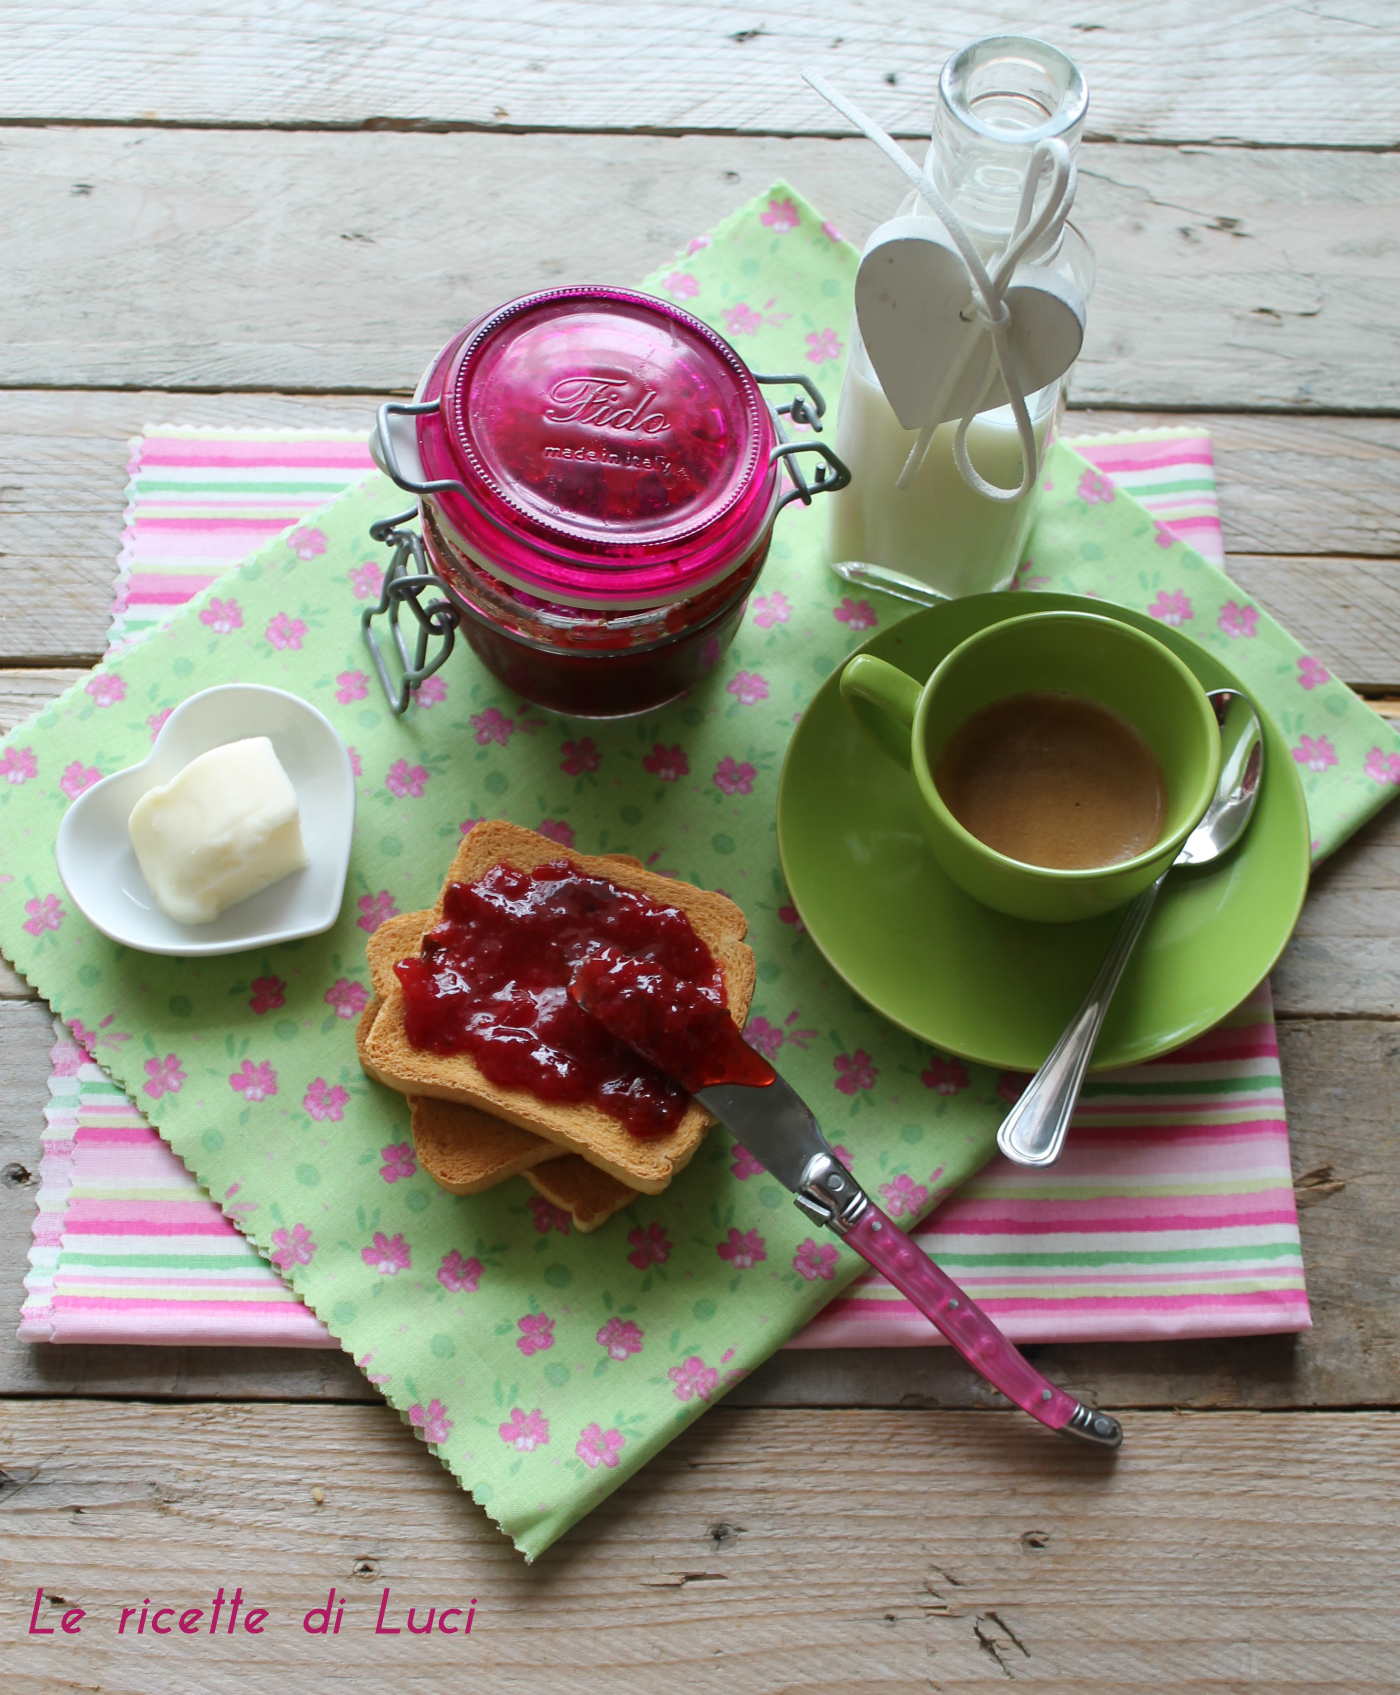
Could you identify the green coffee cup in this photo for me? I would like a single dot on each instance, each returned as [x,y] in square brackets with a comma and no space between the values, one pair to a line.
[1075,653]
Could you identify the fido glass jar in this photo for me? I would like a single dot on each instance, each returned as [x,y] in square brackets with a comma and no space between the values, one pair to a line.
[597,475]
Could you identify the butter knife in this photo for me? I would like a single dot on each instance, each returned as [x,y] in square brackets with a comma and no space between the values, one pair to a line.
[694,1041]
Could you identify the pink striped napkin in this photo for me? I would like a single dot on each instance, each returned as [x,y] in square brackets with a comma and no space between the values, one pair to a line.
[1171,1213]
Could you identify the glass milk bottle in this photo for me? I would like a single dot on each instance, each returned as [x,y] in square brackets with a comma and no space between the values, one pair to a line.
[996,100]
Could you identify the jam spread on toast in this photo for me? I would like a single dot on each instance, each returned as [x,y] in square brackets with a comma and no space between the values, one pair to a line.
[669,1021]
[492,981]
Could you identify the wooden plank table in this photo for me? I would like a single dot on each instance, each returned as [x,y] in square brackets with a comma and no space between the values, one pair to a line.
[250,214]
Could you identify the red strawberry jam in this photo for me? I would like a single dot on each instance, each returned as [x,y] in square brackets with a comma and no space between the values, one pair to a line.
[668,1021]
[493,977]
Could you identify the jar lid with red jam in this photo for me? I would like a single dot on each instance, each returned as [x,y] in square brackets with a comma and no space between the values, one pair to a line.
[596,447]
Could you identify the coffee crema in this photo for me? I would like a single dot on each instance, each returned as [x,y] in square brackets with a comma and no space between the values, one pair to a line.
[1054,780]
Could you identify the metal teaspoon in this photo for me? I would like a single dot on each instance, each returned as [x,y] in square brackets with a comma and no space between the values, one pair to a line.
[1033,1132]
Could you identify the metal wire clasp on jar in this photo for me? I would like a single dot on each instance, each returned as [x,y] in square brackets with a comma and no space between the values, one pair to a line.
[597,475]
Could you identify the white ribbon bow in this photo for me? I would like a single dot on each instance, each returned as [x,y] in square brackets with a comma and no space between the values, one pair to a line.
[914,291]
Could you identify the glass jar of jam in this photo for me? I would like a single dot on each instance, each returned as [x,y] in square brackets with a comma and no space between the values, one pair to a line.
[597,475]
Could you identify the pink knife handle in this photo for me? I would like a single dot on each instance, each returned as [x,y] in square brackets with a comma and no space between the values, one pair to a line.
[971,1332]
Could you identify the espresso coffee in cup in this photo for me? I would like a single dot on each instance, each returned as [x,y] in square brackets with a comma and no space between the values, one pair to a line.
[1053,779]
[1060,759]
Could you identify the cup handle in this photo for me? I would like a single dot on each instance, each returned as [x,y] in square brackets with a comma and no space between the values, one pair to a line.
[883,700]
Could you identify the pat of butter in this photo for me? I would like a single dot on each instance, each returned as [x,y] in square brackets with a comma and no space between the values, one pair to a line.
[225,827]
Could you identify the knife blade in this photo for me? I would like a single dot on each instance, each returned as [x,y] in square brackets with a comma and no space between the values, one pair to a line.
[694,1040]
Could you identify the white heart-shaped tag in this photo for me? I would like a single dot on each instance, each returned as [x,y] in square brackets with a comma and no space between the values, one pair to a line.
[914,305]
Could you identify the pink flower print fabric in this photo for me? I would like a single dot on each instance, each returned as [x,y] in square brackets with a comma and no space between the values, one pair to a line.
[597,1446]
[1238,621]
[579,757]
[945,1076]
[292,1247]
[855,1072]
[667,763]
[743,1249]
[366,580]
[323,1101]
[18,765]
[1095,488]
[745,1165]
[376,910]
[734,777]
[347,999]
[106,690]
[903,1196]
[388,1255]
[766,1037]
[492,726]
[77,777]
[771,610]
[549,1217]
[268,993]
[620,1338]
[1315,753]
[525,1431]
[536,1333]
[1383,767]
[1172,608]
[286,634]
[460,1275]
[163,1077]
[856,615]
[254,1082]
[748,688]
[223,617]
[398,1162]
[650,1246]
[693,1379]
[46,914]
[307,543]
[431,1420]
[816,1261]
[407,781]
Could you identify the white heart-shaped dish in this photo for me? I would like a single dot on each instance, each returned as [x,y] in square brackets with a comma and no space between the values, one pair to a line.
[98,863]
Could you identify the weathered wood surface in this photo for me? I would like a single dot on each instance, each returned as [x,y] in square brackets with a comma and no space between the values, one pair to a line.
[875,1553]
[1342,1084]
[1174,70]
[1311,509]
[1228,278]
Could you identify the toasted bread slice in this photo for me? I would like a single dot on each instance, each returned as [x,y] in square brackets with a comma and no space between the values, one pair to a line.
[461,1148]
[571,1183]
[643,1163]
[467,1150]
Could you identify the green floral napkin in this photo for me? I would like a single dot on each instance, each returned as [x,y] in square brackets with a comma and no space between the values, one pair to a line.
[541,1366]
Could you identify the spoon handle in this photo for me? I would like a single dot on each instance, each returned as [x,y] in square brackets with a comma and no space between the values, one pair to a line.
[1033,1132]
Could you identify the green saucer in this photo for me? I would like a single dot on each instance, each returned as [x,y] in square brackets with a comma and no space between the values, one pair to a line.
[997,989]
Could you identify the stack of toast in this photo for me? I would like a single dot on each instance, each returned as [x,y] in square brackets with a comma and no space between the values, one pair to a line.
[469,1133]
